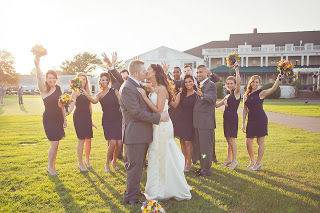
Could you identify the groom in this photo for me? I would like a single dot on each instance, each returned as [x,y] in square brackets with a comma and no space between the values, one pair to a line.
[204,122]
[137,131]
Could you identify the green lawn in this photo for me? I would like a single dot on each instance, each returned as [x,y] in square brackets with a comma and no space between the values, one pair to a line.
[289,182]
[293,107]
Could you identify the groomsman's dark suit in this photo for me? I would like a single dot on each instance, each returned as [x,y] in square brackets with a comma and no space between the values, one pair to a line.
[137,134]
[204,123]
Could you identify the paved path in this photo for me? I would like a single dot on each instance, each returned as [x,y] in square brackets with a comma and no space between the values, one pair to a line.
[306,123]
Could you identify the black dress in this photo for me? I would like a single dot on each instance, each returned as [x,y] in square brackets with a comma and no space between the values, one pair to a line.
[257,125]
[184,119]
[82,119]
[112,117]
[230,117]
[53,117]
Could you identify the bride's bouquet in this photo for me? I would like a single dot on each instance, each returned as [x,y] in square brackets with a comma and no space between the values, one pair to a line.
[232,59]
[151,206]
[75,84]
[285,67]
[65,99]
[38,50]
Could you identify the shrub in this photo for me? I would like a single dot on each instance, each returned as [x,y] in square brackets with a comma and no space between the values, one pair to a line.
[219,86]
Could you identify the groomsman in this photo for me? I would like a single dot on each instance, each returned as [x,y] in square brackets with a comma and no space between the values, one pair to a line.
[204,122]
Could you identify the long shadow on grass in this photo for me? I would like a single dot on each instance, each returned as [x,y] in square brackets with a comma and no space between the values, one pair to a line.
[281,176]
[266,178]
[66,199]
[245,194]
[106,198]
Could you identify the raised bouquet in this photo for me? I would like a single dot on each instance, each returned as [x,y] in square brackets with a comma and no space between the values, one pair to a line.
[65,99]
[151,206]
[232,59]
[285,67]
[75,84]
[38,50]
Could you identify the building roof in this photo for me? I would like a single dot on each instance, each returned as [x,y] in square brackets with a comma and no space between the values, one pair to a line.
[257,39]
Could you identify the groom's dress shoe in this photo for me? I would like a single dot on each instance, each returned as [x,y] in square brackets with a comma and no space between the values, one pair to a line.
[204,173]
[132,202]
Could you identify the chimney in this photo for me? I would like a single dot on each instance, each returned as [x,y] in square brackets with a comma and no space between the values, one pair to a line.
[255,30]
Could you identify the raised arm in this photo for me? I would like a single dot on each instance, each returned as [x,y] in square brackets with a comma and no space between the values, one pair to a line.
[92,99]
[176,101]
[221,102]
[244,114]
[40,80]
[162,94]
[264,93]
[238,83]
[131,102]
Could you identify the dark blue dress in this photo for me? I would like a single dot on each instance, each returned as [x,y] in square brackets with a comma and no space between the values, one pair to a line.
[230,117]
[82,119]
[112,117]
[52,116]
[184,120]
[257,125]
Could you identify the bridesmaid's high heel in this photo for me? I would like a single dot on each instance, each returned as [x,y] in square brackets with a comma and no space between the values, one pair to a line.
[233,165]
[252,163]
[106,169]
[52,173]
[83,168]
[257,167]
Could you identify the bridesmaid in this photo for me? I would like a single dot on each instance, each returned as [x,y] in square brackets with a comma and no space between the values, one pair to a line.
[82,119]
[111,118]
[257,125]
[54,120]
[230,116]
[184,118]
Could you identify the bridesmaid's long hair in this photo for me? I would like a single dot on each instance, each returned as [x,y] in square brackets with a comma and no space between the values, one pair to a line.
[50,72]
[162,79]
[87,85]
[184,88]
[249,87]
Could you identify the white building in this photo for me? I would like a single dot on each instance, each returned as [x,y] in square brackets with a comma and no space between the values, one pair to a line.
[260,53]
[172,57]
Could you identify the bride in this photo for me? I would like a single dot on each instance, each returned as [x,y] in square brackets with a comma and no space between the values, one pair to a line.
[165,173]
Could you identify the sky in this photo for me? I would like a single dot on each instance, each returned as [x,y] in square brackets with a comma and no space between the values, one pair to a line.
[132,27]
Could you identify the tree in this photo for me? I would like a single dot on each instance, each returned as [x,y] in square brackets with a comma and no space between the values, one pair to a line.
[83,62]
[8,75]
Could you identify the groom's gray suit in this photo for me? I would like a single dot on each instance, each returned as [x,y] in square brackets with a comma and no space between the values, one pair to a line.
[204,123]
[137,134]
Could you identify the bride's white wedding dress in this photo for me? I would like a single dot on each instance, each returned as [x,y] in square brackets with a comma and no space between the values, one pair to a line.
[165,173]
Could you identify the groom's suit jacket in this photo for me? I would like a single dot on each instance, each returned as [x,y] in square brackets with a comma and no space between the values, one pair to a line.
[204,108]
[137,118]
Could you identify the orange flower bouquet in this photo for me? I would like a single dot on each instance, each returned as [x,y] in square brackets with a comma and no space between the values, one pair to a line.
[65,99]
[39,50]
[285,67]
[233,59]
[75,84]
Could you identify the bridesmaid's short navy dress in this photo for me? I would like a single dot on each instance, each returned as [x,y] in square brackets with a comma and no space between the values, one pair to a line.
[53,117]
[112,117]
[230,117]
[184,120]
[257,125]
[82,119]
